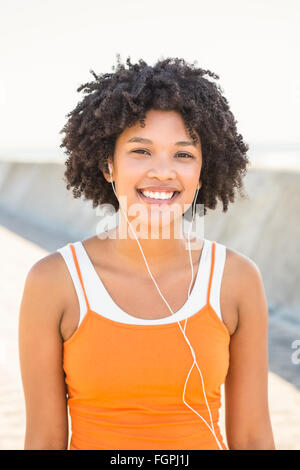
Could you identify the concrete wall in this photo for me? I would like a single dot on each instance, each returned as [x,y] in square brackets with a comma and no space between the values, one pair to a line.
[35,193]
[266,227]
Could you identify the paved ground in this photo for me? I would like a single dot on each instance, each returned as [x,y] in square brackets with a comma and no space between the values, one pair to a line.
[18,254]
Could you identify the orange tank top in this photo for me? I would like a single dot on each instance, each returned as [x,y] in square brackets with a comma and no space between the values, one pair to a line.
[125,382]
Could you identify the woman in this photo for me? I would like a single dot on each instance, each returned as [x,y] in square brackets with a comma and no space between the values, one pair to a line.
[110,333]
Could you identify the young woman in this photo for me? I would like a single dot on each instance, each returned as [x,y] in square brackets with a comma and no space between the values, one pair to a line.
[124,330]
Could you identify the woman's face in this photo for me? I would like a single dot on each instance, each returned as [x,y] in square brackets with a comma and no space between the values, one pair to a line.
[163,163]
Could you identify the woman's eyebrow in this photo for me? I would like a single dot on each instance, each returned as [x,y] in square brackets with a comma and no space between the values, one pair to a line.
[148,141]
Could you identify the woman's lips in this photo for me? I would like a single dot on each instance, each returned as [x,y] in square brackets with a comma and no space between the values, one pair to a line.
[150,200]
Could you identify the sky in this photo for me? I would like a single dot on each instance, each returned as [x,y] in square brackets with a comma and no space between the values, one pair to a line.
[47,49]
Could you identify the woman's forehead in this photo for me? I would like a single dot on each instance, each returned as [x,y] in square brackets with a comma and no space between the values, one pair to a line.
[165,127]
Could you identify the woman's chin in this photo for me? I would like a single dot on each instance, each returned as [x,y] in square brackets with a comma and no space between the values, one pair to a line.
[159,228]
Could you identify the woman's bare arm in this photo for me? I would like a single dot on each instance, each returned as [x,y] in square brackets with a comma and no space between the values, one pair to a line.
[41,357]
[248,424]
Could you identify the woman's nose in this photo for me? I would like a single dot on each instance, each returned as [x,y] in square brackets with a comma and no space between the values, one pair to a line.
[162,170]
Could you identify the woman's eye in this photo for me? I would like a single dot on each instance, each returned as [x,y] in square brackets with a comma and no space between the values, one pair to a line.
[186,155]
[140,150]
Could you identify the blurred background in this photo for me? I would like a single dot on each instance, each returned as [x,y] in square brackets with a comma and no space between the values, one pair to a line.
[47,49]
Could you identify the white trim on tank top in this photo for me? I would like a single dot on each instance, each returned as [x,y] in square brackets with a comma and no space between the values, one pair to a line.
[101,302]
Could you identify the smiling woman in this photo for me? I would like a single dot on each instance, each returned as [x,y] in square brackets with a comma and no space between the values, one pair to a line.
[160,174]
[96,334]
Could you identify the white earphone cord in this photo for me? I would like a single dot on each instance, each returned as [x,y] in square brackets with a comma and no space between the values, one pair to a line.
[183,331]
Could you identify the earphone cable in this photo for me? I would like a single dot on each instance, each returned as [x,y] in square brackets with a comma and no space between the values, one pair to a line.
[211,428]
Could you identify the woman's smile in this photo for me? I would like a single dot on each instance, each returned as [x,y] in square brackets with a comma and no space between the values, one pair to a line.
[158,197]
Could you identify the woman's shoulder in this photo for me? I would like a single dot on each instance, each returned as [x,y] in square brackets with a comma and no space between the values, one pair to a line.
[47,281]
[240,263]
[243,278]
[47,269]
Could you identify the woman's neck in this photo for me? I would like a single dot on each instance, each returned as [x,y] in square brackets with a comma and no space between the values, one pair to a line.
[159,252]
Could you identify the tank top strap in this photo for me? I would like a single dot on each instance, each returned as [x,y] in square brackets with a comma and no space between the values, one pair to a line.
[79,274]
[212,265]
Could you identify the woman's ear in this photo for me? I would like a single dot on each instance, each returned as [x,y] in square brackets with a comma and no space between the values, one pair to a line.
[107,170]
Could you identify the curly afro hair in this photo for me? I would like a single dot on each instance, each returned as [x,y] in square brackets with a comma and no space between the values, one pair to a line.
[115,101]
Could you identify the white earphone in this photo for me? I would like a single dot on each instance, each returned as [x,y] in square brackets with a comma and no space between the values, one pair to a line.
[211,428]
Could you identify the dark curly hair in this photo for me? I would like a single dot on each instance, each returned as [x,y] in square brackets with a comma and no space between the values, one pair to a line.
[118,100]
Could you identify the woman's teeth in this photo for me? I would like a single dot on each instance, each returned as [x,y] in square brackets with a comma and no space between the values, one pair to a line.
[157,195]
